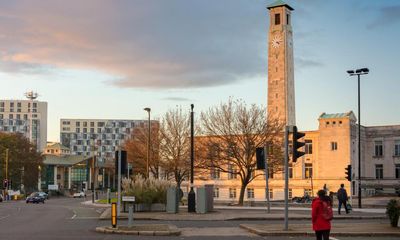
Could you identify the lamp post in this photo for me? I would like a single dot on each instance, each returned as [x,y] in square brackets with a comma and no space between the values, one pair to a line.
[358,72]
[191,195]
[148,110]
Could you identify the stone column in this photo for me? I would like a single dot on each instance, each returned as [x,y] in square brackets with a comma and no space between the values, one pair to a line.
[69,177]
[55,175]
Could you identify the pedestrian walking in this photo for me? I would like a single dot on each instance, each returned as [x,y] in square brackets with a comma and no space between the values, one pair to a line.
[322,215]
[342,197]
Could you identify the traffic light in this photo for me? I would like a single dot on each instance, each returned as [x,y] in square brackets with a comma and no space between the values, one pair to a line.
[123,162]
[260,157]
[348,173]
[296,144]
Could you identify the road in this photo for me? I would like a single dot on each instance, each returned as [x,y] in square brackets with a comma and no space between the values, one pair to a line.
[67,218]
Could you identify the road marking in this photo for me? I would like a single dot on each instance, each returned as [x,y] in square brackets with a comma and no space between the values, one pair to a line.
[332,238]
[1,218]
[74,214]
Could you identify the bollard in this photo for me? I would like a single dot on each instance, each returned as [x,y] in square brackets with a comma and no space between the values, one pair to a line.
[108,196]
[130,218]
[114,215]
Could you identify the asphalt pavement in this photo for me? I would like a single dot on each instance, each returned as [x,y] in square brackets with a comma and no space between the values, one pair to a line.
[68,218]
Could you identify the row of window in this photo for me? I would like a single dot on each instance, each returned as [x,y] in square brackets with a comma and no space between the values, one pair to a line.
[18,116]
[99,124]
[19,104]
[215,173]
[379,171]
[251,195]
[99,130]
[378,149]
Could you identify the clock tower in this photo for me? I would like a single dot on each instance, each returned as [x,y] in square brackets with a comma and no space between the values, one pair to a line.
[281,101]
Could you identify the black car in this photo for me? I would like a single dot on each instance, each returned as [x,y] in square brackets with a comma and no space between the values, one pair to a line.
[35,198]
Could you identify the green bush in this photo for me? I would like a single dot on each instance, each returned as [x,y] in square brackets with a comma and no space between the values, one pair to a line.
[393,211]
[147,191]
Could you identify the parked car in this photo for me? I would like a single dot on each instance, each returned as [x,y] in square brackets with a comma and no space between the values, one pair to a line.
[35,198]
[44,195]
[79,194]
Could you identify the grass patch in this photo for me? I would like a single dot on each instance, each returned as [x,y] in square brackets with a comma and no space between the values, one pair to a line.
[104,201]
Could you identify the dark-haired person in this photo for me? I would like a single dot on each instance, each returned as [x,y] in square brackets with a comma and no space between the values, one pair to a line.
[322,215]
[342,197]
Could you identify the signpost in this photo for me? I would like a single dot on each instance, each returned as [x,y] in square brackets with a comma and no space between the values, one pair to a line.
[129,199]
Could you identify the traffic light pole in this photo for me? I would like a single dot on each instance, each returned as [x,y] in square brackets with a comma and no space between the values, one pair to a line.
[286,146]
[267,179]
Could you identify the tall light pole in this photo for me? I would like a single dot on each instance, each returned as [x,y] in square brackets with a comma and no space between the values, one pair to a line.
[191,195]
[358,72]
[148,110]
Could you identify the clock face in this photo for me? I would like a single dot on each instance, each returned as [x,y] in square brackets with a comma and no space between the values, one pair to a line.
[276,41]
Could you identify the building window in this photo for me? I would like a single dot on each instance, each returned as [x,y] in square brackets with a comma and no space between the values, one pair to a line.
[271,193]
[78,124]
[290,170]
[308,146]
[232,172]
[216,192]
[85,124]
[378,148]
[250,193]
[334,146]
[397,148]
[287,19]
[307,192]
[397,171]
[215,173]
[91,124]
[277,19]
[290,194]
[308,170]
[77,130]
[232,193]
[379,171]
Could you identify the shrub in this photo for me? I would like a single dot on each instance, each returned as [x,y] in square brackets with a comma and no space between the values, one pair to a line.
[393,211]
[147,191]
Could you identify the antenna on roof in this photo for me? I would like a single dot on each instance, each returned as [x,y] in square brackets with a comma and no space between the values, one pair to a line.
[31,95]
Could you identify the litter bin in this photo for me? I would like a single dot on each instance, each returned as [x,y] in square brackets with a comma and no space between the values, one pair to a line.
[172,200]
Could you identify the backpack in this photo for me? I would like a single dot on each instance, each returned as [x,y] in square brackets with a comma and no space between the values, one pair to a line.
[327,212]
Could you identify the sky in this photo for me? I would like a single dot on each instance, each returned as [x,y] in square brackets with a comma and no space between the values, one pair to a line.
[110,59]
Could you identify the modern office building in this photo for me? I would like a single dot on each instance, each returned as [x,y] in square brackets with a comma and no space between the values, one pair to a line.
[28,117]
[99,136]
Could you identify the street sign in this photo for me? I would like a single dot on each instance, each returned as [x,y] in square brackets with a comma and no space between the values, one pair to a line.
[128,198]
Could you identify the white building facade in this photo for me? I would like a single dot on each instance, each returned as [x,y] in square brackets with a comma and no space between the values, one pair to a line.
[102,136]
[26,117]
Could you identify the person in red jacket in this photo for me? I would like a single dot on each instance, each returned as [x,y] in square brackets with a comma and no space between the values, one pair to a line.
[322,215]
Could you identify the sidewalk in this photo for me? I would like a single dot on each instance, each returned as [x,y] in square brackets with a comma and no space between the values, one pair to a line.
[236,213]
[338,229]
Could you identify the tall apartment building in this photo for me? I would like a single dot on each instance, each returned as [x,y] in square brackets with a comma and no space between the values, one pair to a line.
[26,117]
[102,136]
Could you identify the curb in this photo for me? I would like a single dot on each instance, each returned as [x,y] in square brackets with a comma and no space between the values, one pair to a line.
[311,233]
[173,231]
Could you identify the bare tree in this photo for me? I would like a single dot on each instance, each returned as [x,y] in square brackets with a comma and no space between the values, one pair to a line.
[136,148]
[231,133]
[175,144]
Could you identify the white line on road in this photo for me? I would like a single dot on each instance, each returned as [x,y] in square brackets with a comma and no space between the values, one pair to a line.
[74,215]
[332,238]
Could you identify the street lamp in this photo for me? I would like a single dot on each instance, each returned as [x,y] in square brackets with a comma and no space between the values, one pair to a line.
[358,72]
[191,195]
[148,110]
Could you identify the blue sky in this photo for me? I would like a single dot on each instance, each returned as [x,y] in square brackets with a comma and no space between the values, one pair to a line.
[110,59]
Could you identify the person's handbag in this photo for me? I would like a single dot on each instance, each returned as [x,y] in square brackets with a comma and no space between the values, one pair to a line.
[349,207]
